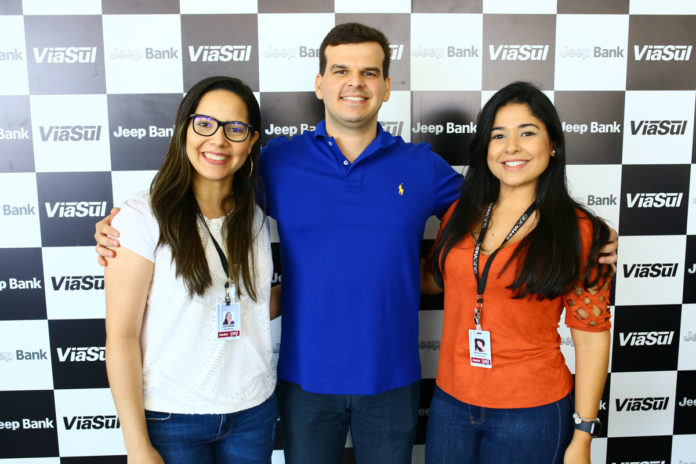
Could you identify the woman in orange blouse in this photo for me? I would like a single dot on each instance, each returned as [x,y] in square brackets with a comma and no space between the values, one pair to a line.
[511,254]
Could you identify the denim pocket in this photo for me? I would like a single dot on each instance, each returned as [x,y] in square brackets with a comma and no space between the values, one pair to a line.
[156,416]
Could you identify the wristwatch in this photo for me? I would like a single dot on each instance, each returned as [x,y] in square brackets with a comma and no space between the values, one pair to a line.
[591,426]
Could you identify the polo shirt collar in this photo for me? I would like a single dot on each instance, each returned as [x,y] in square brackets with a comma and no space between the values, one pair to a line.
[382,140]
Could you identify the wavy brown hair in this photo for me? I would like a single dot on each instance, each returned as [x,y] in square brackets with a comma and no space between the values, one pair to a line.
[175,208]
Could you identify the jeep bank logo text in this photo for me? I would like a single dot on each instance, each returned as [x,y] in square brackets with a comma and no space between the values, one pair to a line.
[657,403]
[12,55]
[19,284]
[91,422]
[14,134]
[219,53]
[654,200]
[651,270]
[661,338]
[141,132]
[70,283]
[27,424]
[665,127]
[594,127]
[81,354]
[662,52]
[68,55]
[518,52]
[78,209]
[288,130]
[449,128]
[290,53]
[451,51]
[70,133]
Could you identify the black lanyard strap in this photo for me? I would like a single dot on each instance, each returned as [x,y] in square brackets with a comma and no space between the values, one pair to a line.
[481,282]
[223,258]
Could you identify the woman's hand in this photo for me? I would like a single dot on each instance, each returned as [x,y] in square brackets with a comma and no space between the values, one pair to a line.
[578,452]
[103,235]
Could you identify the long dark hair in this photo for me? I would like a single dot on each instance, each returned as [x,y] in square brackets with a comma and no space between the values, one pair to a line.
[551,252]
[175,208]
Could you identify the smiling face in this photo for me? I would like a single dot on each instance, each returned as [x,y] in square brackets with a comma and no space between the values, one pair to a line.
[215,158]
[353,86]
[519,149]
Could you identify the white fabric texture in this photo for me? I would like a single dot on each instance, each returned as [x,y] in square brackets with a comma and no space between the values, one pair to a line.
[186,368]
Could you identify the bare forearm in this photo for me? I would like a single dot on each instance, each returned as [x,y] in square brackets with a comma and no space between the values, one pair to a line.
[124,369]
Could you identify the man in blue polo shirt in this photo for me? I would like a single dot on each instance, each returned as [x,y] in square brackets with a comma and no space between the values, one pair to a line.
[351,202]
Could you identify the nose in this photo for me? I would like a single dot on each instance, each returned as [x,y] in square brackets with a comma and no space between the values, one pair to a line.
[513,144]
[355,79]
[218,138]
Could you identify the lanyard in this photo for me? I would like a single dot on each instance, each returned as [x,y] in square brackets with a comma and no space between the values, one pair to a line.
[223,258]
[481,282]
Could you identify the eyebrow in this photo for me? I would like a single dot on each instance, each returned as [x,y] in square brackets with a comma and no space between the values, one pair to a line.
[373,69]
[521,126]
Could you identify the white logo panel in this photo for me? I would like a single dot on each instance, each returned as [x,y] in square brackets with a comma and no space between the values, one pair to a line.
[687,338]
[25,356]
[142,54]
[64,7]
[87,423]
[291,64]
[591,61]
[19,214]
[395,115]
[658,127]
[683,447]
[74,286]
[71,133]
[598,187]
[450,59]
[218,6]
[663,7]
[650,270]
[370,6]
[13,56]
[430,335]
[641,403]
[515,7]
[127,183]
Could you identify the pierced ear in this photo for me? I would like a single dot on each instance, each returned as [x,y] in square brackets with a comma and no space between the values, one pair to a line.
[553,152]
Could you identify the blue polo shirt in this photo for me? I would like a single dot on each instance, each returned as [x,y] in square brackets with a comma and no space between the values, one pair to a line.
[350,236]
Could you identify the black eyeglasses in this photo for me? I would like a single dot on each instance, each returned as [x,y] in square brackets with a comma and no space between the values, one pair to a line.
[235,131]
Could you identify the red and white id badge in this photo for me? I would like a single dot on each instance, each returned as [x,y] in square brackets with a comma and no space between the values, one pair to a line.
[229,322]
[480,348]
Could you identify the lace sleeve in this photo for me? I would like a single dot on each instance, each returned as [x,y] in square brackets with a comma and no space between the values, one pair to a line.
[588,309]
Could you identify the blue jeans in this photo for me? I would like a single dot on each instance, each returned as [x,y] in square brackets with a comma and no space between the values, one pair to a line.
[314,426]
[240,437]
[462,433]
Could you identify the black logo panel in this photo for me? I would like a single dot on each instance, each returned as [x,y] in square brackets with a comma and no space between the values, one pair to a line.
[646,338]
[22,291]
[70,204]
[654,199]
[77,353]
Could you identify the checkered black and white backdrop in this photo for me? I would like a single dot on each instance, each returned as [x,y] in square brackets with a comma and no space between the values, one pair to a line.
[88,93]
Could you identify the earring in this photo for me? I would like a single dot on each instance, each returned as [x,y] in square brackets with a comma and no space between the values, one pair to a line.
[251,169]
[553,152]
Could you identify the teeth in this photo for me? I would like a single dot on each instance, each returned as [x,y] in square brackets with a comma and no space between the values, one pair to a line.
[214,157]
[354,98]
[513,164]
